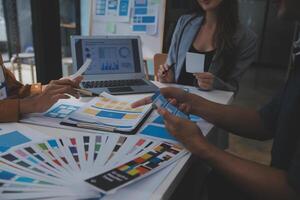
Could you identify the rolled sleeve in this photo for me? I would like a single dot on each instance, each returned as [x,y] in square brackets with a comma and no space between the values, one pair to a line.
[10,110]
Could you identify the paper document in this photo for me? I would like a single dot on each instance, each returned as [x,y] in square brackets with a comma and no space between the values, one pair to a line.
[109,113]
[195,62]
[82,69]
[54,115]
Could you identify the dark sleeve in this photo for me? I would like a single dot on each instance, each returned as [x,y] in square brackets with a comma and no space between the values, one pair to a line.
[294,170]
[269,113]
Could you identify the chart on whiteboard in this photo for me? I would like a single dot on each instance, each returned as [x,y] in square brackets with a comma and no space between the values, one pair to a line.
[112,10]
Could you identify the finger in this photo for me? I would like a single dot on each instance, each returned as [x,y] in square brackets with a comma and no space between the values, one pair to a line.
[168,117]
[207,81]
[166,67]
[205,86]
[142,102]
[78,80]
[64,82]
[161,73]
[184,108]
[173,102]
[57,97]
[205,75]
[64,90]
[51,87]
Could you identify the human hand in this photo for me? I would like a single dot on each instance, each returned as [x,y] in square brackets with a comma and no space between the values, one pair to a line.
[178,97]
[165,74]
[186,131]
[205,80]
[51,93]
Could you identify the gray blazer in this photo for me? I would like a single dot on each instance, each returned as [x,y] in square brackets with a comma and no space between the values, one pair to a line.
[245,41]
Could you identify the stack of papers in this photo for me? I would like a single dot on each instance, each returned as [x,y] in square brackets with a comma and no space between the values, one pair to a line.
[87,166]
[109,113]
[106,113]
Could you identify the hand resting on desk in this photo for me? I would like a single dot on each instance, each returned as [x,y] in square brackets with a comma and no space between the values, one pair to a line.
[51,93]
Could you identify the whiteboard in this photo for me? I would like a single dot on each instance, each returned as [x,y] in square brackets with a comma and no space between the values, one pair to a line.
[151,44]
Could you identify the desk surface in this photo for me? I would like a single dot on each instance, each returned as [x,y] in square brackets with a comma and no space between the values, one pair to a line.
[161,184]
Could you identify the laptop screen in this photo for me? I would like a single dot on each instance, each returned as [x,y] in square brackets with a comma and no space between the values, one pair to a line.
[109,56]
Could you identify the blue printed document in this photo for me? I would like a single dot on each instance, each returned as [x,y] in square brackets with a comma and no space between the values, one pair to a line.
[108,113]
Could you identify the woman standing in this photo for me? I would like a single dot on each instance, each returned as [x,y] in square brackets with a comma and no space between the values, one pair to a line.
[213,30]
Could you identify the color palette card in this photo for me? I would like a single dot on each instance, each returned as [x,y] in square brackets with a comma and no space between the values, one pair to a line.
[154,159]
[155,127]
[58,167]
[12,136]
[108,113]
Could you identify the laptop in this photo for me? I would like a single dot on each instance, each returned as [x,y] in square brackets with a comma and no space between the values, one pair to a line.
[117,64]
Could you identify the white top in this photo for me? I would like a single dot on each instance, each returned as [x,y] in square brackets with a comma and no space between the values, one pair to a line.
[159,185]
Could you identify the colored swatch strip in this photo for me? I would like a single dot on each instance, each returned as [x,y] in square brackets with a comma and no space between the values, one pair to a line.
[97,146]
[136,168]
[120,142]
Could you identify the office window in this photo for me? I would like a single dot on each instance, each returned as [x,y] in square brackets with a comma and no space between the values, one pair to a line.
[69,24]
[3,36]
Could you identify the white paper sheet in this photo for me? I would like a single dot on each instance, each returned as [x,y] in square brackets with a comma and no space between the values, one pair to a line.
[82,69]
[194,62]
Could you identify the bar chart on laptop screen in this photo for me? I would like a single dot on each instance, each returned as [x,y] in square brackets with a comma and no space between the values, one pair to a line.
[109,57]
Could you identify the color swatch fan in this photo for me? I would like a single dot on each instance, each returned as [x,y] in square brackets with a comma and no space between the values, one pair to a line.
[81,167]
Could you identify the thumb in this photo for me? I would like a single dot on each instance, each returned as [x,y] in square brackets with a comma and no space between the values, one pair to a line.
[168,117]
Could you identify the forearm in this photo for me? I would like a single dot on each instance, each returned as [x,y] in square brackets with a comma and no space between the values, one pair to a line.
[240,121]
[27,106]
[9,110]
[261,181]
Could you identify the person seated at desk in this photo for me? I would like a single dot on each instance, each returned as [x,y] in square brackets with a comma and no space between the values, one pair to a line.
[17,99]
[215,31]
[233,177]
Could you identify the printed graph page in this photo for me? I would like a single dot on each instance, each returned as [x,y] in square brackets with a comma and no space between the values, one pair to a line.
[110,111]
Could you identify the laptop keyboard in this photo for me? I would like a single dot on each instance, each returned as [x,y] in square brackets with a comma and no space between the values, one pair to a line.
[114,83]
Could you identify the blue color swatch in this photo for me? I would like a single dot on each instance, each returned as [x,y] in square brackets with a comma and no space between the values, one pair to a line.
[113,115]
[139,28]
[195,118]
[5,175]
[159,120]
[12,139]
[140,11]
[53,143]
[25,180]
[157,131]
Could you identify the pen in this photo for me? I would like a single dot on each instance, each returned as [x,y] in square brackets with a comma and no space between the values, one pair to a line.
[86,92]
[170,67]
